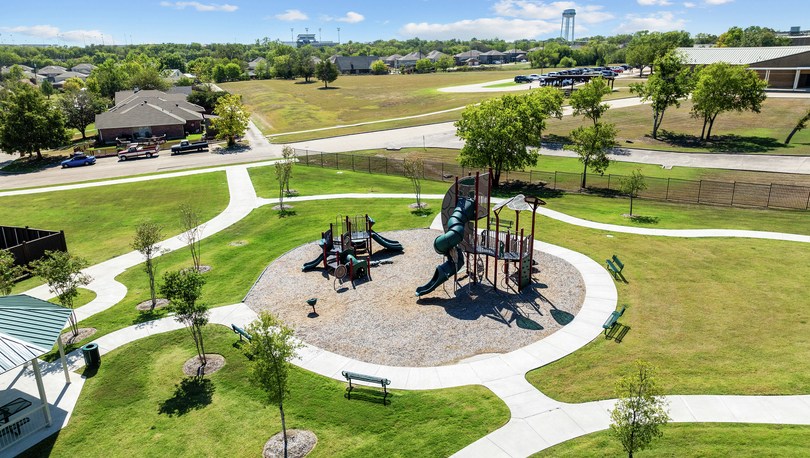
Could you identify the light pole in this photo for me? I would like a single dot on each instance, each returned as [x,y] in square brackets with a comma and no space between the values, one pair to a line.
[291,35]
[338,35]
[319,35]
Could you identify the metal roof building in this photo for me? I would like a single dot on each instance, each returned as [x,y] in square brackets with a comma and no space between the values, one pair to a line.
[786,67]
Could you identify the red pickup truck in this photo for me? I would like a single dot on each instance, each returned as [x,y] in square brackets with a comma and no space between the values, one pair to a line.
[138,151]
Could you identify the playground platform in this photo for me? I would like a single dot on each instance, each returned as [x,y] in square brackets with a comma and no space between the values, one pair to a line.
[379,321]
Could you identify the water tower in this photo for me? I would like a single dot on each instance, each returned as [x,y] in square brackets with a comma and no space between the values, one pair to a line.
[567,26]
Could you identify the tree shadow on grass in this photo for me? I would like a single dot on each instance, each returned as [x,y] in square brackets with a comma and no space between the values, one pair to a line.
[192,393]
[644,219]
[730,143]
[148,315]
[422,212]
[328,88]
[305,82]
[286,213]
[538,189]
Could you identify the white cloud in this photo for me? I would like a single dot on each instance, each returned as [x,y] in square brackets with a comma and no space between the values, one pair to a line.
[653,2]
[352,18]
[507,29]
[534,9]
[689,5]
[292,15]
[718,2]
[660,22]
[199,6]
[48,31]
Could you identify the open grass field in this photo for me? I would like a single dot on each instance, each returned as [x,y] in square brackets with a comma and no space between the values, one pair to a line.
[716,316]
[139,403]
[696,440]
[733,132]
[99,222]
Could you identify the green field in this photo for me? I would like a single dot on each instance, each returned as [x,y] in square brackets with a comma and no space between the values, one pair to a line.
[139,403]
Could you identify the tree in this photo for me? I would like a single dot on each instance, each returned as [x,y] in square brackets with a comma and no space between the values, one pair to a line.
[498,132]
[283,169]
[233,119]
[587,100]
[640,410]
[567,62]
[379,67]
[63,274]
[640,56]
[272,346]
[110,78]
[192,232]
[722,87]
[423,65]
[670,83]
[444,63]
[47,89]
[147,236]
[305,68]
[591,144]
[80,109]
[148,78]
[232,72]
[326,71]
[218,73]
[631,186]
[8,272]
[72,84]
[205,97]
[414,170]
[799,126]
[185,81]
[184,289]
[284,66]
[28,124]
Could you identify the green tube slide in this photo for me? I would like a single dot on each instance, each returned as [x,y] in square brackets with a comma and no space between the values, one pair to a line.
[465,210]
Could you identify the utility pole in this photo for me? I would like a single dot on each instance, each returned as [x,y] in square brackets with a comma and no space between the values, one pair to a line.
[319,35]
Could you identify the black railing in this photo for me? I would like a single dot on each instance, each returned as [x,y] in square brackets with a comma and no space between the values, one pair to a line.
[670,189]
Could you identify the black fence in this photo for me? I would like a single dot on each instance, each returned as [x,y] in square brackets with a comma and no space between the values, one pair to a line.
[30,244]
[669,189]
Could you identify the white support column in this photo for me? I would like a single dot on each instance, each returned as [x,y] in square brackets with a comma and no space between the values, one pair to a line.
[64,361]
[42,398]
[796,80]
[767,75]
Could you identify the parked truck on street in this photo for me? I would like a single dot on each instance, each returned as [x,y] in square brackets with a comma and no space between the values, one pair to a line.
[185,145]
[134,151]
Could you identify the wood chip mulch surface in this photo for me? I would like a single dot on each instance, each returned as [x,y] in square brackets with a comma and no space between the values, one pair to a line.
[299,443]
[84,333]
[147,304]
[380,321]
[195,368]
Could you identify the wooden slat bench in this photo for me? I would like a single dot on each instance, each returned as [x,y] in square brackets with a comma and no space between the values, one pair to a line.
[240,331]
[614,316]
[366,378]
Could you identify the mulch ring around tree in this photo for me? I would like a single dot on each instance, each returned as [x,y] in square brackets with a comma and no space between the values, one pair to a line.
[283,207]
[195,368]
[422,205]
[68,338]
[147,304]
[202,269]
[299,443]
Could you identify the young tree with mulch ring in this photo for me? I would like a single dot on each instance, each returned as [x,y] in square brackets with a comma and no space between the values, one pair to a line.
[640,410]
[272,347]
[183,289]
[414,169]
[631,185]
[8,272]
[63,273]
[147,237]
[283,169]
[192,231]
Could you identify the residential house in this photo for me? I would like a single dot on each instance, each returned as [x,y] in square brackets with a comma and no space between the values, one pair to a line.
[391,60]
[51,71]
[354,65]
[149,113]
[514,55]
[83,68]
[408,61]
[434,55]
[463,57]
[59,80]
[7,69]
[491,57]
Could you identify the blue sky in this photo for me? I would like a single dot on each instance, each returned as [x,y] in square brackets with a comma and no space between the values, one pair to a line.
[244,21]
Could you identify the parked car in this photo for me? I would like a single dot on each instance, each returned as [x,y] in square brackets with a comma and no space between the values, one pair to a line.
[534,77]
[625,67]
[185,145]
[608,73]
[618,69]
[518,79]
[79,159]
[138,151]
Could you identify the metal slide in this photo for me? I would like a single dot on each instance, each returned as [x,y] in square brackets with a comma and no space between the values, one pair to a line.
[445,244]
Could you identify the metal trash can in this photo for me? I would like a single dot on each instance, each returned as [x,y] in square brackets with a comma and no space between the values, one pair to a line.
[91,355]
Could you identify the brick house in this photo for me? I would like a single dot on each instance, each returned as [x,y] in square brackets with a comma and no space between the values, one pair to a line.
[150,114]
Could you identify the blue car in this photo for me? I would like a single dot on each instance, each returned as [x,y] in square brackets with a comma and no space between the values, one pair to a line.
[79,159]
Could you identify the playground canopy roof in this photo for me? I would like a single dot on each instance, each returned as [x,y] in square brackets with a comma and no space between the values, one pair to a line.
[517,203]
[29,328]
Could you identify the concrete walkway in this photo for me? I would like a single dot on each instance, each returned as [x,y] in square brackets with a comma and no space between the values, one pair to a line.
[537,421]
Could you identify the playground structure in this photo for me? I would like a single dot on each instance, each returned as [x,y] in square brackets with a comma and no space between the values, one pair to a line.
[342,254]
[464,204]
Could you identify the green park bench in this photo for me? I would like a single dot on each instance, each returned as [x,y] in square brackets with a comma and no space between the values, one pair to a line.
[240,331]
[366,378]
[614,316]
[615,265]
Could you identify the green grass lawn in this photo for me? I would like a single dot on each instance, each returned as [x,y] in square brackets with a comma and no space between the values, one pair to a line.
[85,297]
[736,132]
[139,402]
[715,315]
[696,440]
[236,268]
[312,180]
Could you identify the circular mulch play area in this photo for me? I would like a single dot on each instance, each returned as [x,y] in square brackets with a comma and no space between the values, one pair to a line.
[194,367]
[299,443]
[380,321]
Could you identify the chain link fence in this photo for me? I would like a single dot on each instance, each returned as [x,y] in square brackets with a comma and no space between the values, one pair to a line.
[668,189]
